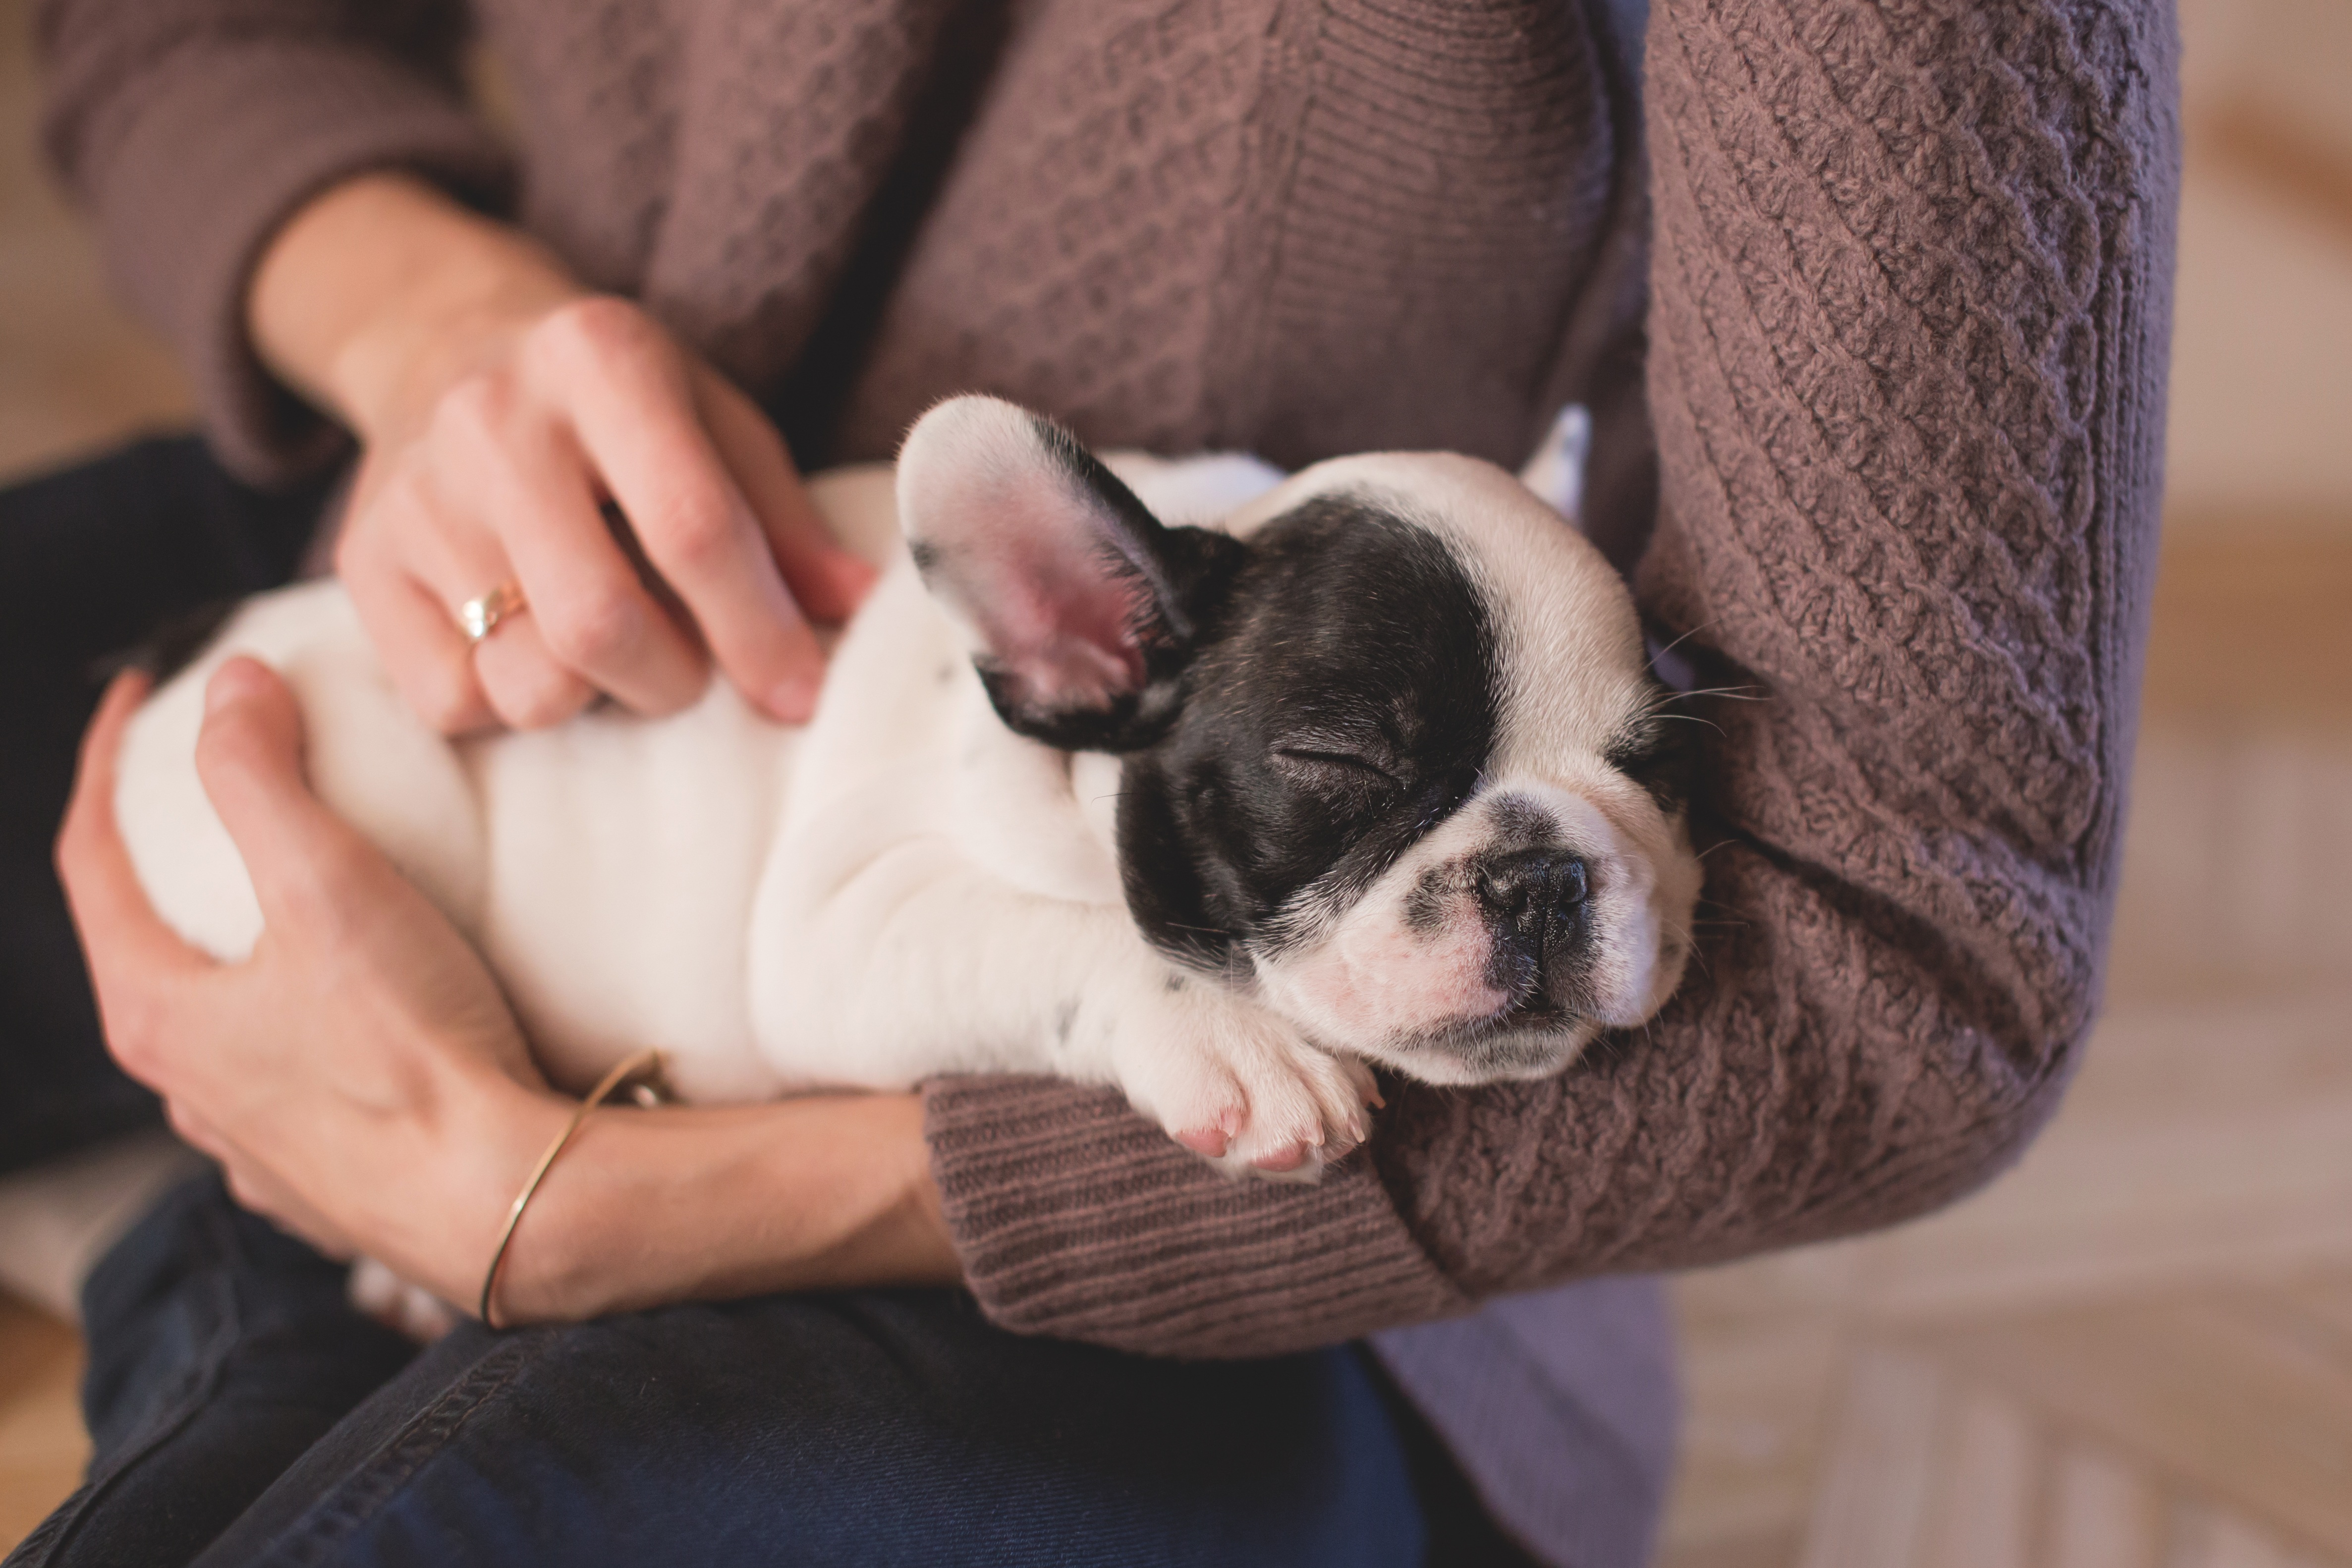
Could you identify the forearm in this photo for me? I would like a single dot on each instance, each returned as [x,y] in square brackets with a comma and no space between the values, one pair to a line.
[1909,409]
[381,290]
[647,1207]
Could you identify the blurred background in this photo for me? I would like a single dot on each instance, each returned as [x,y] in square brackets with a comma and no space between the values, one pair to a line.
[2135,1350]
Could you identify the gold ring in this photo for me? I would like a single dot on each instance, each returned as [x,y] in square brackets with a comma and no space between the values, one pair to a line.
[478,618]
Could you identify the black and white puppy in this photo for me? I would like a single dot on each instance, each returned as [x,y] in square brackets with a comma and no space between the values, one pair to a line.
[1181,776]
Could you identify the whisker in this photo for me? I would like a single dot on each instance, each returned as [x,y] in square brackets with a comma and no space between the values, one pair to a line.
[1682,639]
[1686,718]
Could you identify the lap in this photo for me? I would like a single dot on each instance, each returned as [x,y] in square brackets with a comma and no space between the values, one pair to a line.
[882,1427]
[230,1403]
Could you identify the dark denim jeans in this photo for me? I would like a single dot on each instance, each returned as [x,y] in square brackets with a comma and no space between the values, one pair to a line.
[243,1413]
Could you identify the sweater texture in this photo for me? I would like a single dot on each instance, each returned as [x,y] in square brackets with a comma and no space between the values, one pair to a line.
[1871,298]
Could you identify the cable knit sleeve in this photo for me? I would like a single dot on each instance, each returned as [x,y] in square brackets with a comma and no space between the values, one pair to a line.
[1909,328]
[191,129]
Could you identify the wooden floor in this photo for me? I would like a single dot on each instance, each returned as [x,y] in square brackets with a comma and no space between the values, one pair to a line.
[2135,1351]
[42,1445]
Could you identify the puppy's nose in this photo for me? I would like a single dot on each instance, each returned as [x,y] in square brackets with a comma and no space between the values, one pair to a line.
[1532,896]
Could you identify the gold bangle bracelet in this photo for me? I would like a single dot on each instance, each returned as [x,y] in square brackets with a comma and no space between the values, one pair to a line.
[648,1062]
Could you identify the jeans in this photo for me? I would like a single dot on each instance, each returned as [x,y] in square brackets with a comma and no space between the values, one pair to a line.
[242,1413]
[245,1416]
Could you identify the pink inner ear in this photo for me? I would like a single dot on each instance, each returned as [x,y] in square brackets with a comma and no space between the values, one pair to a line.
[1062,629]
[1015,537]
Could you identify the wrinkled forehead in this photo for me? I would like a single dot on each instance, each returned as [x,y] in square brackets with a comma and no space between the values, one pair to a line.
[1567,660]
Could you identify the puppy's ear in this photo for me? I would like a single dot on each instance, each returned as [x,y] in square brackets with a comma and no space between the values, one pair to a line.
[1081,608]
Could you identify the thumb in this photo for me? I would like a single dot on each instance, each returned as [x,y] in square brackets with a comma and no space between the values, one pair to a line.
[249,757]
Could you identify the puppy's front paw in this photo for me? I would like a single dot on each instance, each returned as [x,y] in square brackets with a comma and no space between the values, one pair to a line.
[1240,1087]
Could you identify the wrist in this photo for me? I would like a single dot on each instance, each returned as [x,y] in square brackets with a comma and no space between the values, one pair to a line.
[383,377]
[380,292]
[644,1208]
[490,1134]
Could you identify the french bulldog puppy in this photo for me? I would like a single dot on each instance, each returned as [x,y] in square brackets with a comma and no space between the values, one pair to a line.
[1216,785]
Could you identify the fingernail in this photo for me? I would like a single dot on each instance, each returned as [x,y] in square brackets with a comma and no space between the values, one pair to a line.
[793,699]
[230,683]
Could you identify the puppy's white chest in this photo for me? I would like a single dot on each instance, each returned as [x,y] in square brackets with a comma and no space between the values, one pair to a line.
[621,861]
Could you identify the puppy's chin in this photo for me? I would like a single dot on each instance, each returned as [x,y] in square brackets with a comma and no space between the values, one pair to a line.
[1425,1002]
[1471,1054]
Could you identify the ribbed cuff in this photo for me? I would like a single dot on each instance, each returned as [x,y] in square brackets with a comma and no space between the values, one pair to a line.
[224,140]
[1077,1218]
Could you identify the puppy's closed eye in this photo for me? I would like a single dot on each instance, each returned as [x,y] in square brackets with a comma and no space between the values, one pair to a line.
[1327,768]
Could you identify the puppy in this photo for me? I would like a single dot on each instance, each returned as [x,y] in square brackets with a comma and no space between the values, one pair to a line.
[1215,785]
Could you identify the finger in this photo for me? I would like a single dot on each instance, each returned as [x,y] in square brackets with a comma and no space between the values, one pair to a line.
[453,556]
[591,613]
[304,861]
[639,424]
[528,685]
[127,943]
[828,581]
[421,648]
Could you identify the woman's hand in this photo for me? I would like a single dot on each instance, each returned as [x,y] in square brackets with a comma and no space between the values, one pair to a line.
[360,1078]
[500,404]
[362,1082]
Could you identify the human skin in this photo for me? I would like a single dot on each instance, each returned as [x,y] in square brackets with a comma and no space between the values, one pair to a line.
[362,1082]
[498,402]
[360,1078]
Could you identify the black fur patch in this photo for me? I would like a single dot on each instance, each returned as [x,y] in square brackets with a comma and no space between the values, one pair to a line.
[1342,702]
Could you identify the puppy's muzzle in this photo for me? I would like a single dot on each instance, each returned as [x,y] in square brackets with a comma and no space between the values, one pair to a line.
[1535,901]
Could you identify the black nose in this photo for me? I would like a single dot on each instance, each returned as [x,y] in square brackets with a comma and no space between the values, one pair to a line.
[1534,897]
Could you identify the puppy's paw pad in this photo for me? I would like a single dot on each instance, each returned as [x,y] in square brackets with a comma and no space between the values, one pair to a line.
[1297,1162]
[1192,1096]
[1284,1161]
[1208,1141]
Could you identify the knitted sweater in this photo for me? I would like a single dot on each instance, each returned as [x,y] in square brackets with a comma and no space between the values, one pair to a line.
[1907,269]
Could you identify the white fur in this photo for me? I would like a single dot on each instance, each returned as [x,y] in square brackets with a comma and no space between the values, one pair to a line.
[906,887]
[901,889]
